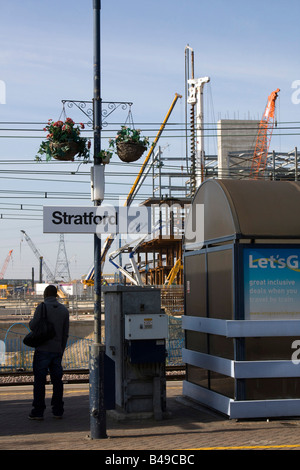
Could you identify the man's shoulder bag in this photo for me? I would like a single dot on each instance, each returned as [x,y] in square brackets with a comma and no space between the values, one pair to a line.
[42,332]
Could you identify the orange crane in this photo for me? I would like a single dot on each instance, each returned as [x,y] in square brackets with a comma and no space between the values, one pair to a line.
[5,264]
[264,135]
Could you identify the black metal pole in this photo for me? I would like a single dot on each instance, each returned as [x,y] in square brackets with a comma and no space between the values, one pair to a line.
[97,82]
[41,269]
[97,352]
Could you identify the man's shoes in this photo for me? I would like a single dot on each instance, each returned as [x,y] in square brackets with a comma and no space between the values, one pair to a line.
[57,412]
[36,417]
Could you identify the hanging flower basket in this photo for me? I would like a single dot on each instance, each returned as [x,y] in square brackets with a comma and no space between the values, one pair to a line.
[63,141]
[64,151]
[129,145]
[130,151]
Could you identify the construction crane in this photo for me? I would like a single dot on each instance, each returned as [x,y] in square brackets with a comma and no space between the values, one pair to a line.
[4,267]
[173,273]
[89,280]
[264,135]
[50,276]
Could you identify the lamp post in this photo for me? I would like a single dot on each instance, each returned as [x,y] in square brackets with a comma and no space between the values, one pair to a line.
[97,352]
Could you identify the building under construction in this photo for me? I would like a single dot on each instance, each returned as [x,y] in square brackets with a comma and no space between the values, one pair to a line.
[159,257]
[243,153]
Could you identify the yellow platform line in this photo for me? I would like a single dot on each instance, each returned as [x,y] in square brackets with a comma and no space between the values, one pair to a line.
[284,446]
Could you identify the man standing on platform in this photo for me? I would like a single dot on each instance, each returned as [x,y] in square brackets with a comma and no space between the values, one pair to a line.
[48,356]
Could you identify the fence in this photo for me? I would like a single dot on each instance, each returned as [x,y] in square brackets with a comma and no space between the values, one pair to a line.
[175,341]
[172,299]
[18,356]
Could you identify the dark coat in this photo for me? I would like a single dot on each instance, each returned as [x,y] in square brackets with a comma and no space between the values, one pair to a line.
[58,315]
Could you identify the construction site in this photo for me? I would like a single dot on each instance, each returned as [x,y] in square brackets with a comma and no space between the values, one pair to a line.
[194,277]
[211,290]
[158,190]
[244,152]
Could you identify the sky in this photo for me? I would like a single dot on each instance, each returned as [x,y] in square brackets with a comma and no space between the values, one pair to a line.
[248,49]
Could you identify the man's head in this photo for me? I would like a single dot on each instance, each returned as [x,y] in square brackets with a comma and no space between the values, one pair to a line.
[50,291]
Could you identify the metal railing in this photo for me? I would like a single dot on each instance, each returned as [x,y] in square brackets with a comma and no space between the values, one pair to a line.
[18,356]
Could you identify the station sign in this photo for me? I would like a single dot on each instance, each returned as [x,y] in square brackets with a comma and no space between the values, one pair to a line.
[97,219]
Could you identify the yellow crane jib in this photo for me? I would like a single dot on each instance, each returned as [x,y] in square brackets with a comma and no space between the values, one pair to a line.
[173,273]
[108,242]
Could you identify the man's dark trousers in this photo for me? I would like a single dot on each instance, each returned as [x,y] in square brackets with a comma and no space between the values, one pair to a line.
[43,362]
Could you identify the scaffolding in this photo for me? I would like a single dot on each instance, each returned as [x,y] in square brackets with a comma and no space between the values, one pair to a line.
[158,256]
[279,166]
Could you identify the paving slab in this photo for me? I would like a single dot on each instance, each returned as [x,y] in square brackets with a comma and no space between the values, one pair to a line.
[188,427]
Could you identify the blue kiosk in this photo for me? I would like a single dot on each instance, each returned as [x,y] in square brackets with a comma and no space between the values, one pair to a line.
[242,298]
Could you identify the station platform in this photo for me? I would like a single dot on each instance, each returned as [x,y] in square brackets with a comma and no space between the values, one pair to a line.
[188,426]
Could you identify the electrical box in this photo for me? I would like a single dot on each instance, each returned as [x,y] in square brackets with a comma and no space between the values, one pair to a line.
[136,330]
[145,326]
[146,351]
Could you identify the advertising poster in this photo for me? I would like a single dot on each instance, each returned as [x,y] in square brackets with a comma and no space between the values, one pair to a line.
[272,283]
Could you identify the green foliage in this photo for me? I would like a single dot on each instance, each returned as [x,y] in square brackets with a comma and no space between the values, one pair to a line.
[105,156]
[63,133]
[126,134]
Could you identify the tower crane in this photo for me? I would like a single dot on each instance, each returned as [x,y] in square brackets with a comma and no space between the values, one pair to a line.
[5,264]
[264,135]
[50,276]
